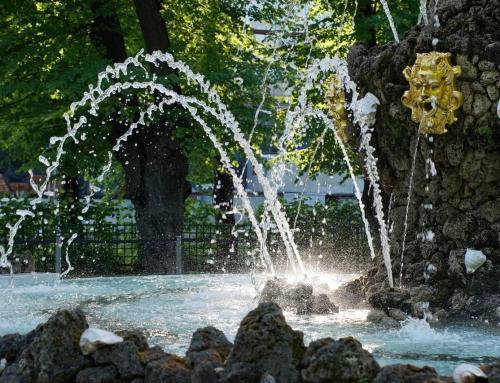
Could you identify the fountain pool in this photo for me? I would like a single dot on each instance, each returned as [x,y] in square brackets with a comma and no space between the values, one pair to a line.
[170,308]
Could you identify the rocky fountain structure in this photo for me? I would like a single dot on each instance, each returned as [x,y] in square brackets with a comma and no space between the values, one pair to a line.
[439,162]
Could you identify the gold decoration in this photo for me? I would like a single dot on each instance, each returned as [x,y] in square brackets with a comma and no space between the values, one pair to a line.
[336,96]
[432,97]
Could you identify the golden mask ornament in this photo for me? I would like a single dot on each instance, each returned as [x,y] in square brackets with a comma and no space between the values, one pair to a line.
[336,97]
[432,97]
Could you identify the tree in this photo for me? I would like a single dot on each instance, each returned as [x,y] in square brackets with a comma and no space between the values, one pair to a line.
[54,49]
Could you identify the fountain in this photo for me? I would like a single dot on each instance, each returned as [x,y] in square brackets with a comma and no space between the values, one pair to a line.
[440,164]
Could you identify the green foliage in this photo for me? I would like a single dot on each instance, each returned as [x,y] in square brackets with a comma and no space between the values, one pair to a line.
[49,59]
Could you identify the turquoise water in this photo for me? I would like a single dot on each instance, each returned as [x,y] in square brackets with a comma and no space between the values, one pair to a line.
[170,308]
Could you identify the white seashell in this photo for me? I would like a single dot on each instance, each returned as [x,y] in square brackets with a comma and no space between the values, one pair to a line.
[474,259]
[3,364]
[465,373]
[367,109]
[93,338]
[267,378]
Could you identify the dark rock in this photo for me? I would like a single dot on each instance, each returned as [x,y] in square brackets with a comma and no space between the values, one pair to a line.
[11,346]
[350,294]
[265,343]
[105,374]
[273,291]
[342,361]
[124,356]
[406,373]
[53,354]
[301,298]
[168,369]
[323,305]
[12,374]
[135,336]
[206,373]
[483,305]
[194,359]
[208,345]
[492,371]
[379,317]
[388,298]
[153,353]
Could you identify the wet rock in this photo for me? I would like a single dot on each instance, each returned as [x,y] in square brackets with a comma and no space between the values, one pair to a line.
[168,369]
[135,336]
[153,353]
[483,305]
[379,317]
[206,373]
[323,305]
[53,354]
[480,105]
[469,71]
[388,298]
[124,356]
[265,343]
[342,361]
[301,298]
[208,345]
[273,291]
[406,373]
[350,294]
[105,374]
[458,301]
[205,356]
[397,314]
[492,371]
[11,346]
[489,77]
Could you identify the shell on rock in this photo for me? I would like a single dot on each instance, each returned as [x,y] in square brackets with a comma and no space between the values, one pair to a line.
[93,338]
[474,259]
[3,364]
[467,373]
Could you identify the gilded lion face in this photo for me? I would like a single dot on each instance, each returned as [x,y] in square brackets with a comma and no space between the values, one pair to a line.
[432,96]
[337,103]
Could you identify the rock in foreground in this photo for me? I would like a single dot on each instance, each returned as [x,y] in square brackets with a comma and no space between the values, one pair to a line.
[266,350]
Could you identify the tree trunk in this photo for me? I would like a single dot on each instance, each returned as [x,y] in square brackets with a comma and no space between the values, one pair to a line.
[154,165]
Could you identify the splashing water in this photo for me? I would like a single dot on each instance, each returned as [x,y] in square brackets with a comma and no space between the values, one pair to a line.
[408,200]
[391,20]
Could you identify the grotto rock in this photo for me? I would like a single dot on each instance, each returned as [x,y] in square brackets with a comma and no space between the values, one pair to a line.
[389,298]
[11,346]
[135,336]
[464,193]
[299,297]
[406,373]
[492,371]
[124,356]
[52,353]
[208,345]
[265,343]
[380,317]
[104,374]
[342,361]
[168,369]
[323,305]
[207,373]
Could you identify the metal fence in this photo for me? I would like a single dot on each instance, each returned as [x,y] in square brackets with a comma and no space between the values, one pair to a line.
[106,248]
